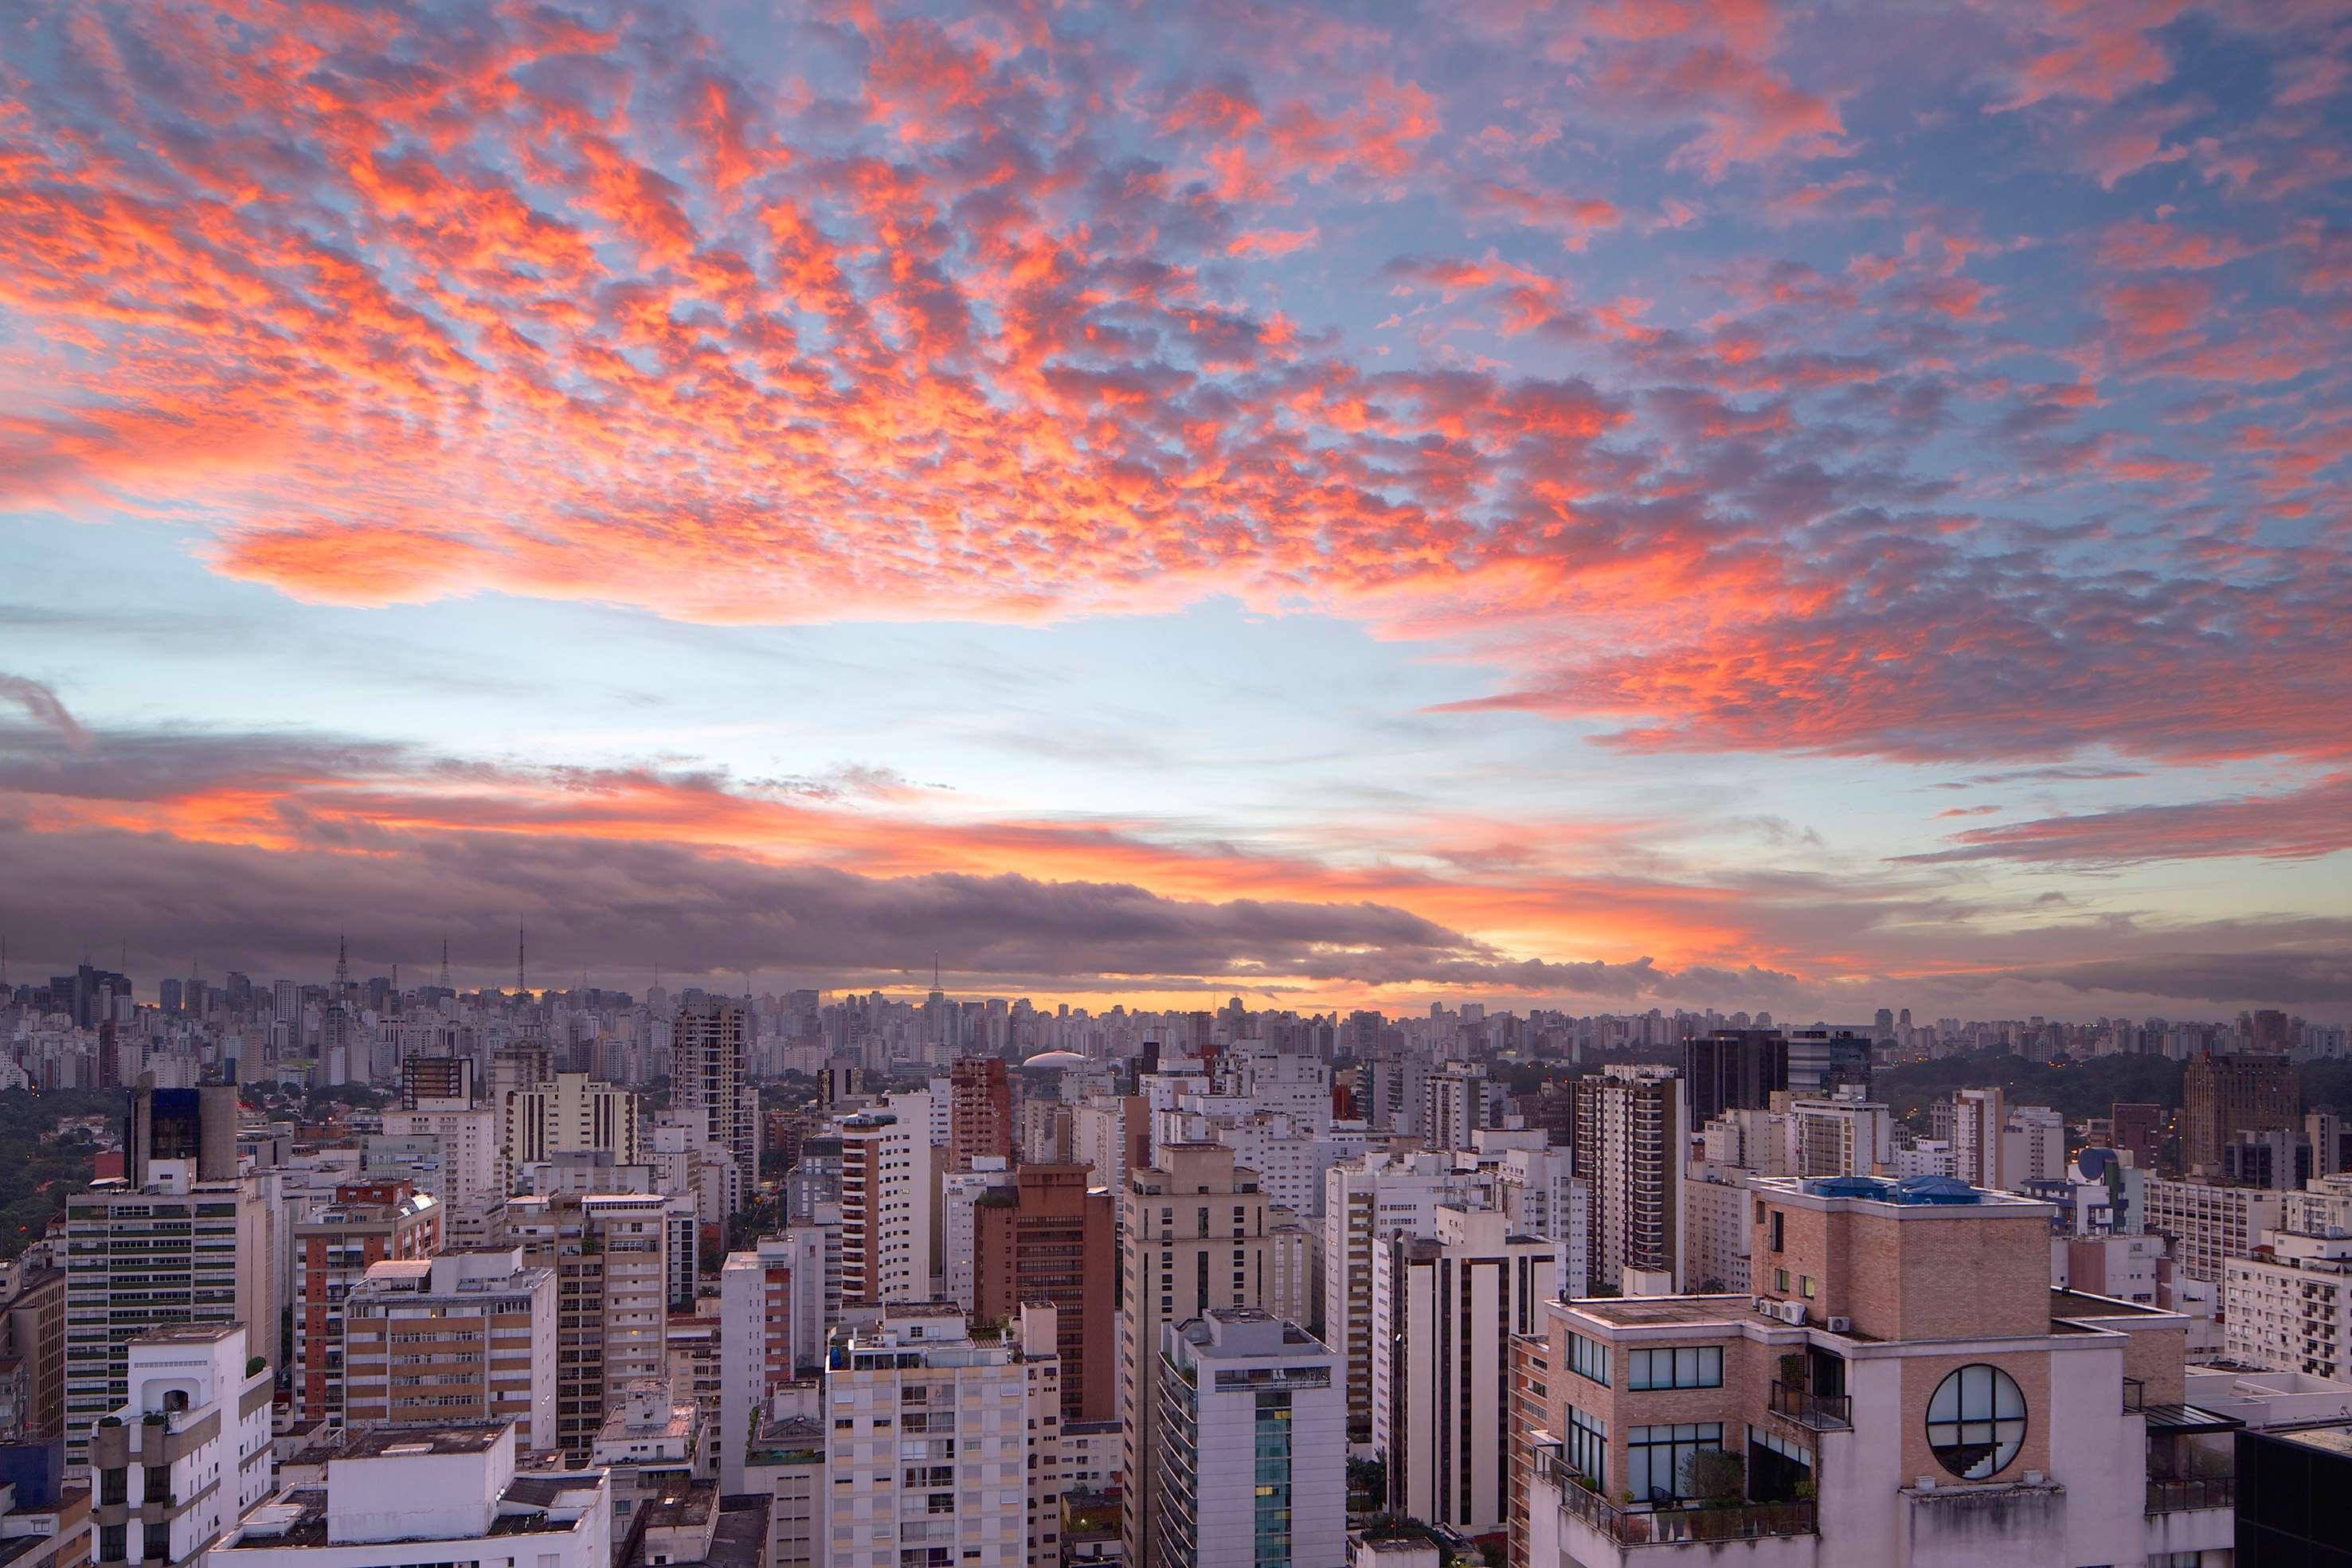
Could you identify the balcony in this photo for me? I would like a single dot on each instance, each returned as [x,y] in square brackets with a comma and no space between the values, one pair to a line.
[1677,1526]
[1816,1412]
[2189,1496]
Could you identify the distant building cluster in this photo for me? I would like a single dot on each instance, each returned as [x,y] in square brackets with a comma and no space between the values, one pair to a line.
[371,1277]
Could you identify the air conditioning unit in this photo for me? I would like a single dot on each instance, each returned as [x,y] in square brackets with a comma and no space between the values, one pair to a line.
[1792,1311]
[1841,1325]
[1765,1307]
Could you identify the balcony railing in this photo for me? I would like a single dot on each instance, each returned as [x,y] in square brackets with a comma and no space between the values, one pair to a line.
[2187,1497]
[1821,1412]
[1677,1526]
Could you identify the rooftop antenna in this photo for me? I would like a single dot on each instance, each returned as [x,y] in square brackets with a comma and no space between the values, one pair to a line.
[445,962]
[342,965]
[935,969]
[519,976]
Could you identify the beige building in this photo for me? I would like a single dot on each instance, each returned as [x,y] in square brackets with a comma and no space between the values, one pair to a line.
[1193,1236]
[610,1252]
[464,1336]
[1902,1388]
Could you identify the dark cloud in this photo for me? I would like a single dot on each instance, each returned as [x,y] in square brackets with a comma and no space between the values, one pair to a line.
[42,706]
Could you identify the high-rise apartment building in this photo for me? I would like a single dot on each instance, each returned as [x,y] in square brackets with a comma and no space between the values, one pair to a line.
[886,1207]
[2222,1096]
[333,1248]
[1980,1117]
[772,1324]
[570,1113]
[708,1081]
[1540,1194]
[980,1111]
[468,1148]
[610,1252]
[1454,1103]
[1050,1238]
[943,1443]
[460,1336]
[2205,1223]
[172,1250]
[1739,1069]
[1252,1469]
[1443,1309]
[2289,1307]
[1193,1236]
[2140,1130]
[1630,1146]
[183,1457]
[33,1335]
[1366,1201]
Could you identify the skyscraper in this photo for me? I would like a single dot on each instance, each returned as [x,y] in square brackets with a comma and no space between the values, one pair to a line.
[610,1252]
[1050,1238]
[1733,1069]
[1630,1146]
[886,1205]
[2222,1096]
[707,1083]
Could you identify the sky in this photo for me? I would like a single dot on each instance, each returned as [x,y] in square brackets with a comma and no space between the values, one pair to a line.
[1605,504]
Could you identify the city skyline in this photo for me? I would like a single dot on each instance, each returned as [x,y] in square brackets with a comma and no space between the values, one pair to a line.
[1618,507]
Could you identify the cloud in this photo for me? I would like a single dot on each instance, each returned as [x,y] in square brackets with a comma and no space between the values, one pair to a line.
[988,322]
[41,704]
[2295,824]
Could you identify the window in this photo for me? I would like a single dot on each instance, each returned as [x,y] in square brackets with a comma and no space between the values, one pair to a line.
[1654,1457]
[1780,1280]
[1588,1444]
[1685,1367]
[1805,1286]
[1976,1422]
[1777,1215]
[1589,1358]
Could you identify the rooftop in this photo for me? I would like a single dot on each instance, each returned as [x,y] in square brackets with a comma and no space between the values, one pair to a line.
[1663,1312]
[405,1442]
[2326,1440]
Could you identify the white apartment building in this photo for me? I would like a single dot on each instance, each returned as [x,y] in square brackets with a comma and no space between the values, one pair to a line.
[572,1112]
[711,1091]
[435,1496]
[1252,1461]
[1979,1118]
[652,1445]
[1715,1228]
[2034,1146]
[1454,1103]
[2324,1205]
[1363,1203]
[188,1454]
[470,1145]
[1443,1309]
[931,1437]
[886,1204]
[959,1193]
[2289,1307]
[773,1322]
[2207,1225]
[1843,1136]
[1539,1193]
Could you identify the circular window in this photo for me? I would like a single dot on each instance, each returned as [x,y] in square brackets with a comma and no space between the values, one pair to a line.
[1976,1422]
